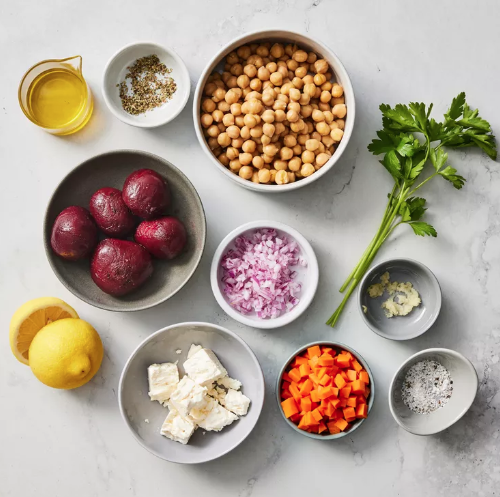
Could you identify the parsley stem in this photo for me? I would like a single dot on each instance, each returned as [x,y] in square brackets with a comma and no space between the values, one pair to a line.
[423,183]
[335,316]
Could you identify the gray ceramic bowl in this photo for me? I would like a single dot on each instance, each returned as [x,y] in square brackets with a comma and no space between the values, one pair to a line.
[338,346]
[111,169]
[465,384]
[420,319]
[136,407]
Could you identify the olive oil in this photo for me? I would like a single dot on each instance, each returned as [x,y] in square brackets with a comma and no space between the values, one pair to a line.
[56,98]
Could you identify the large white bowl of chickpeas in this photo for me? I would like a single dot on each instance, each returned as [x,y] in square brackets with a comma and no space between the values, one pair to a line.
[274,110]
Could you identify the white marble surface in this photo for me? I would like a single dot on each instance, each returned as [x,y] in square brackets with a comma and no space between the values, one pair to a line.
[56,443]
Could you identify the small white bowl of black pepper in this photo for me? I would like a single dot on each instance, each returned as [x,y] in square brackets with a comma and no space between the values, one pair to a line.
[432,390]
[146,85]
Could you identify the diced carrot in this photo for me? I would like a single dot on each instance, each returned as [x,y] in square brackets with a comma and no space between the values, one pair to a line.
[321,427]
[312,418]
[335,403]
[285,394]
[348,354]
[343,360]
[367,392]
[351,402]
[344,375]
[303,423]
[325,380]
[361,399]
[333,428]
[343,403]
[349,414]
[358,386]
[364,377]
[338,414]
[328,350]
[315,396]
[299,361]
[326,360]
[289,407]
[294,390]
[314,351]
[286,377]
[317,415]
[306,388]
[305,404]
[345,392]
[335,392]
[339,381]
[352,375]
[357,366]
[329,410]
[362,411]
[314,378]
[295,417]
[325,392]
[321,372]
[341,424]
[294,374]
[313,362]
[305,370]
[314,405]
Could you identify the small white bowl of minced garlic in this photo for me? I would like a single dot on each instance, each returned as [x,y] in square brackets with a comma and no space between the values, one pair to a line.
[146,85]
[399,299]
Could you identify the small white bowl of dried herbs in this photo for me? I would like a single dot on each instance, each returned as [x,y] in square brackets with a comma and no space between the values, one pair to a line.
[146,85]
[432,390]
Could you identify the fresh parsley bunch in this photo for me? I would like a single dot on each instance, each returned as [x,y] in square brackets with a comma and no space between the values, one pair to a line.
[410,140]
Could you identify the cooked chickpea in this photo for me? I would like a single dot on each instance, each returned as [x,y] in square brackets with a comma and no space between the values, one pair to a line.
[321,66]
[276,78]
[294,164]
[294,94]
[291,177]
[263,73]
[233,132]
[232,153]
[239,121]
[245,172]
[264,176]
[311,57]
[280,165]
[326,86]
[243,81]
[272,67]
[232,82]
[272,172]
[279,105]
[268,116]
[268,98]
[206,120]
[307,156]
[294,106]
[297,149]
[300,56]
[283,98]
[279,115]
[337,134]
[223,159]
[297,126]
[317,115]
[268,129]
[262,50]
[223,106]
[212,143]
[304,99]
[322,159]
[256,84]
[306,170]
[237,142]
[257,131]
[281,178]
[265,140]
[292,116]
[340,123]
[210,89]
[290,141]
[232,58]
[244,52]
[228,120]
[300,72]
[250,70]
[298,83]
[310,89]
[258,162]
[327,141]
[271,150]
[245,132]
[337,90]
[213,131]
[245,158]
[208,105]
[319,79]
[224,140]
[217,116]
[235,165]
[258,62]
[339,110]
[250,121]
[325,97]
[277,50]
[312,144]
[322,128]
[219,95]
[249,146]
[231,97]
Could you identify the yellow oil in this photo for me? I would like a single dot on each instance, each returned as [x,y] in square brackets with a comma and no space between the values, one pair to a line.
[56,98]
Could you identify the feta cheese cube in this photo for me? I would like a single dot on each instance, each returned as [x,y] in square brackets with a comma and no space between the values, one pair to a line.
[187,396]
[217,393]
[177,428]
[229,383]
[214,417]
[204,368]
[193,349]
[163,380]
[236,402]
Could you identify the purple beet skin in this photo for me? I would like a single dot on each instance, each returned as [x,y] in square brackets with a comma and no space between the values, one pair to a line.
[74,234]
[146,193]
[118,266]
[110,212]
[165,237]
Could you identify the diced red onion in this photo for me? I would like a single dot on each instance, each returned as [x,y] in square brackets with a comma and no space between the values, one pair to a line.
[257,274]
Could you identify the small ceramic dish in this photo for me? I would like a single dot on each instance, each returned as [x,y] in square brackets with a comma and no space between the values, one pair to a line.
[420,319]
[111,169]
[338,346]
[117,68]
[284,36]
[465,384]
[145,417]
[308,275]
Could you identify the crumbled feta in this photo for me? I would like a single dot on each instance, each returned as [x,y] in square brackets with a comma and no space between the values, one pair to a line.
[236,402]
[177,428]
[204,368]
[229,383]
[187,396]
[193,349]
[215,417]
[163,380]
[217,393]
[178,351]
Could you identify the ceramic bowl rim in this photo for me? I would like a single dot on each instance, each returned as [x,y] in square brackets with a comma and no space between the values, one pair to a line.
[132,307]
[427,352]
[349,128]
[122,116]
[423,268]
[255,405]
[309,291]
[339,345]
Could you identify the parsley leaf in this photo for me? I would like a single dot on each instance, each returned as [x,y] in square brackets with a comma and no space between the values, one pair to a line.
[456,108]
[385,144]
[392,164]
[421,229]
[450,174]
[418,110]
[399,118]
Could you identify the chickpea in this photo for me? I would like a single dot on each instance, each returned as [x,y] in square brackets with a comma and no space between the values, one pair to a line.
[325,97]
[267,158]
[294,164]
[234,165]
[231,97]
[258,162]
[223,106]
[245,172]
[279,115]
[255,177]
[337,90]
[280,165]
[236,70]
[277,50]
[308,79]
[268,98]
[217,116]
[311,57]
[223,159]
[268,129]
[327,140]
[310,127]
[297,83]
[250,71]
[213,131]
[339,110]
[300,72]
[297,150]
[312,144]
[239,121]
[283,70]
[294,106]
[323,107]
[337,134]
[285,89]
[328,116]
[206,120]
[297,126]
[232,82]
[337,101]
[224,140]
[225,76]
[244,52]
[262,50]
[245,158]
[322,128]
[235,109]
[292,116]
[237,142]
[279,128]
[232,58]
[290,141]
[326,86]
[306,170]
[257,131]
[291,177]
[290,49]
[254,106]
[300,56]
[210,89]
[310,89]
[340,123]
[271,150]
[292,65]
[281,178]
[272,172]
[258,62]
[319,79]
[279,105]
[334,125]
[268,116]
[256,84]
[264,176]
[233,132]
[321,66]
[272,67]
[283,98]
[265,140]
[228,120]
[294,94]
[219,94]
[250,121]
[232,153]
[322,159]
[317,116]
[244,108]
[286,154]
[243,81]
[276,78]
[263,73]
[245,132]
[212,143]
[304,99]
[208,105]
[307,156]
[249,146]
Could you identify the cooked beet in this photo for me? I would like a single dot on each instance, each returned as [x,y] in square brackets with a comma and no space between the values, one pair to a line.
[74,234]
[110,212]
[165,237]
[119,266]
[146,193]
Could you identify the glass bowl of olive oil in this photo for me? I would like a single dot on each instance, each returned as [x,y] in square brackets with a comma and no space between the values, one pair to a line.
[54,95]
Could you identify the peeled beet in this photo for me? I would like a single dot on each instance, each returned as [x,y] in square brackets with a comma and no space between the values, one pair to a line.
[118,266]
[74,234]
[146,193]
[110,212]
[164,237]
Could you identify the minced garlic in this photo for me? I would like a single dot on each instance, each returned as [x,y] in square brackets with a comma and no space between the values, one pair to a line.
[403,298]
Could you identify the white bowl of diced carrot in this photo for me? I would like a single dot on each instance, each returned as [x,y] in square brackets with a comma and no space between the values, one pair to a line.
[325,390]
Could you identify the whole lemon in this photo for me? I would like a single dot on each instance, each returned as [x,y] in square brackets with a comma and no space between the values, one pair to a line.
[66,353]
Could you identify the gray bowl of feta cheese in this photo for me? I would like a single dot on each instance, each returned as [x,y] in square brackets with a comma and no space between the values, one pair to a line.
[191,392]
[399,299]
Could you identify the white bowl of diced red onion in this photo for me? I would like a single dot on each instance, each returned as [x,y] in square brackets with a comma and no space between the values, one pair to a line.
[264,274]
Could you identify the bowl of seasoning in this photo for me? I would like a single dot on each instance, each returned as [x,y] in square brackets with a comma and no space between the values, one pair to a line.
[146,85]
[264,274]
[432,390]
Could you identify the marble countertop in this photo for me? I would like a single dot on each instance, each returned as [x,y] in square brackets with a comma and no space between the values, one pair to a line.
[58,443]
